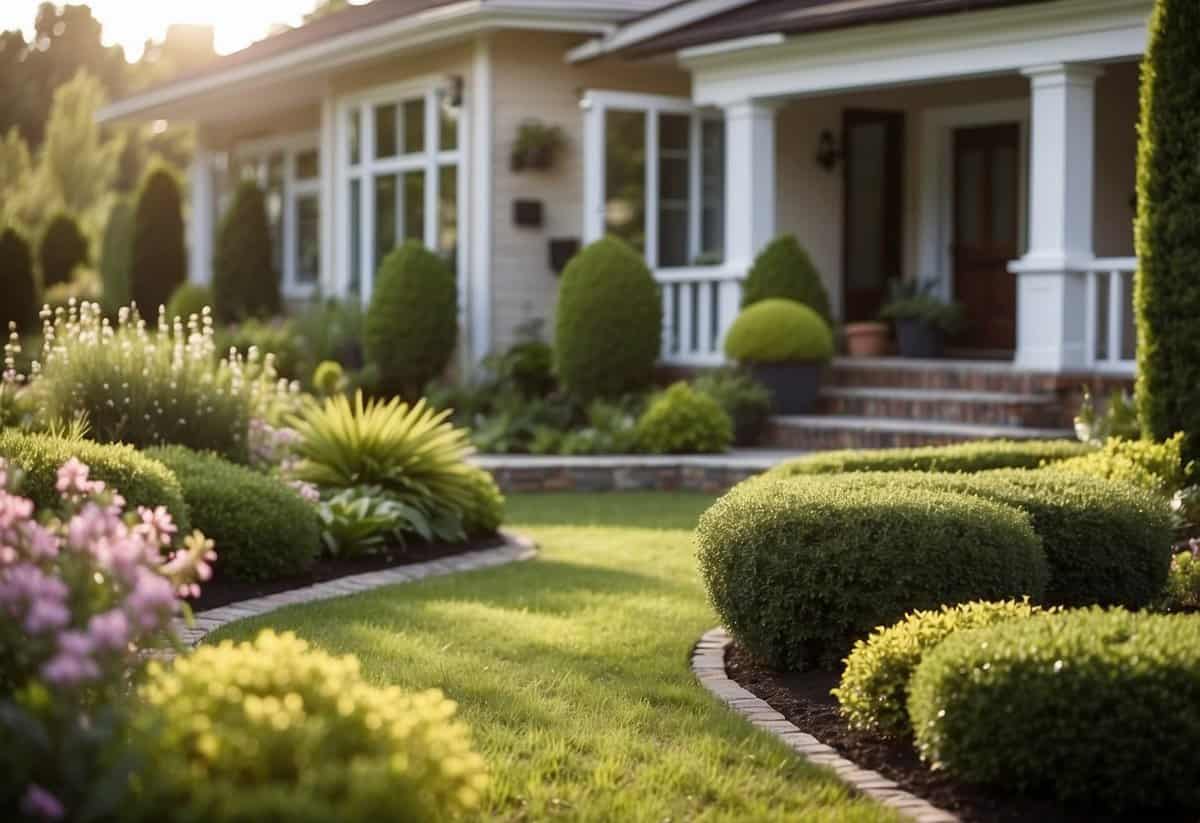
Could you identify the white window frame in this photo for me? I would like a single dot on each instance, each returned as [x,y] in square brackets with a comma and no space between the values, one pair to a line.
[596,104]
[430,161]
[258,153]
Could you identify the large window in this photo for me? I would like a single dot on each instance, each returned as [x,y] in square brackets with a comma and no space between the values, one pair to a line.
[656,177]
[288,170]
[400,177]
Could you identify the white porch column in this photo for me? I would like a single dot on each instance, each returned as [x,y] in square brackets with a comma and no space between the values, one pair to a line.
[330,284]
[1051,277]
[749,181]
[203,212]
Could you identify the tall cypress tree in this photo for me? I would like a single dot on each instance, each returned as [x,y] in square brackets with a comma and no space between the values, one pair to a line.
[159,258]
[245,283]
[1167,231]
[17,288]
[63,247]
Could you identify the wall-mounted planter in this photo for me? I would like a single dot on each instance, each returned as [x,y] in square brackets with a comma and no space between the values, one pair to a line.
[536,146]
[527,213]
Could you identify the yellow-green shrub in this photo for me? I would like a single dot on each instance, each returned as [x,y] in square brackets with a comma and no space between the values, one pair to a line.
[778,331]
[682,420]
[1156,467]
[960,457]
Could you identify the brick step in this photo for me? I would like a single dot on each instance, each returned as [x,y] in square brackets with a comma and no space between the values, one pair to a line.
[959,375]
[819,432]
[949,405]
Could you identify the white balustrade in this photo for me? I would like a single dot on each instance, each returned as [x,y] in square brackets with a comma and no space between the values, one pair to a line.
[1111,335]
[699,304]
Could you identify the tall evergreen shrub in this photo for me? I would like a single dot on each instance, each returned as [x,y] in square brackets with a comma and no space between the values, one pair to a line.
[18,292]
[784,269]
[245,283]
[159,258]
[63,247]
[116,254]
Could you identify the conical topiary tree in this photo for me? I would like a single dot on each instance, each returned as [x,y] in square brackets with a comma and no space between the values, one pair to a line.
[63,247]
[159,257]
[245,283]
[608,324]
[412,322]
[18,290]
[116,254]
[784,269]
[1167,230]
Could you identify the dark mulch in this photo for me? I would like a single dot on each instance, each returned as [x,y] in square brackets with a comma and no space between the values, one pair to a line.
[804,699]
[221,592]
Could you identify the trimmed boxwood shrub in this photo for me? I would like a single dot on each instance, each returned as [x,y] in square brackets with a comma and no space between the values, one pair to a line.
[1167,228]
[608,324]
[1099,708]
[278,730]
[262,528]
[682,420]
[779,331]
[961,457]
[189,299]
[245,283]
[141,480]
[412,323]
[158,259]
[784,269]
[1155,467]
[116,254]
[483,513]
[17,284]
[873,691]
[62,249]
[799,569]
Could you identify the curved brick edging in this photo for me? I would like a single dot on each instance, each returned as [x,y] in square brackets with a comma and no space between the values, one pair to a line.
[708,664]
[515,548]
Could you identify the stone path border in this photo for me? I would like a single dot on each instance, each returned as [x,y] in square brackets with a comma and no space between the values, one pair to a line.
[708,664]
[515,548]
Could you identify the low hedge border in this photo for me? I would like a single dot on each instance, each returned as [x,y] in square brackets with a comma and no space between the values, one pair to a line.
[961,457]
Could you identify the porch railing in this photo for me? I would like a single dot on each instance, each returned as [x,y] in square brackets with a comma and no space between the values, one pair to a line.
[699,304]
[1111,336]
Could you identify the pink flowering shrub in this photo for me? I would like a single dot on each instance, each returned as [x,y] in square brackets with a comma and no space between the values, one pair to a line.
[85,589]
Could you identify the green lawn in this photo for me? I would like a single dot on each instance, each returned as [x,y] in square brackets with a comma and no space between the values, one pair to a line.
[573,672]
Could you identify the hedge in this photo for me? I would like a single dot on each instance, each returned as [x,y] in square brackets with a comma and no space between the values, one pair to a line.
[1155,467]
[262,529]
[141,480]
[961,457]
[799,569]
[1167,228]
[784,270]
[158,256]
[1093,707]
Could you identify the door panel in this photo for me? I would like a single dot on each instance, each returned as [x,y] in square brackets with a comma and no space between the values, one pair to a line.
[986,233]
[874,152]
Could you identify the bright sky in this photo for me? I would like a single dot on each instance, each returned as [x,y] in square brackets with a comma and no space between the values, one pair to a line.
[129,22]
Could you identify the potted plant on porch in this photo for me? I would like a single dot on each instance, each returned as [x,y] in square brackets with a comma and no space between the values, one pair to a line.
[784,344]
[922,318]
[866,339]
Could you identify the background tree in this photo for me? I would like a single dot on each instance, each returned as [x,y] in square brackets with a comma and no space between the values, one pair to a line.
[62,248]
[16,282]
[245,283]
[1167,230]
[159,257]
[116,254]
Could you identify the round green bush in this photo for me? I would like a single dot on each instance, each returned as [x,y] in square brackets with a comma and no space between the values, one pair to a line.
[1093,707]
[873,691]
[278,730]
[158,260]
[116,255]
[328,378]
[412,323]
[245,283]
[262,528]
[784,270]
[62,249]
[140,479]
[682,420]
[483,512]
[17,284]
[608,326]
[799,569]
[189,299]
[960,457]
[778,331]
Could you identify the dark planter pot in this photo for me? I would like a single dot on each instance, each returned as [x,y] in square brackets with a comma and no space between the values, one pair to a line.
[793,386]
[918,339]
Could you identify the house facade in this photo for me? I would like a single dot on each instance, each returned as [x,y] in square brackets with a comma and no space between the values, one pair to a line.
[987,146]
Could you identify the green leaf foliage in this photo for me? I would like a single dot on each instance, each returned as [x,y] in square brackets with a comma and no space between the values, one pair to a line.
[1155,467]
[262,528]
[784,270]
[411,326]
[608,325]
[484,512]
[1167,229]
[744,399]
[17,283]
[873,690]
[682,420]
[159,257]
[779,330]
[1090,707]
[961,457]
[799,569]
[63,247]
[116,254]
[245,283]
[189,299]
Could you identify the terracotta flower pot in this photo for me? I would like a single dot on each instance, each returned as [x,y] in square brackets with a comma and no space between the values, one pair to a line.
[866,339]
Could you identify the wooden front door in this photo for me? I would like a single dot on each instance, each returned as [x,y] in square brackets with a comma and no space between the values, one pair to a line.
[874,184]
[986,234]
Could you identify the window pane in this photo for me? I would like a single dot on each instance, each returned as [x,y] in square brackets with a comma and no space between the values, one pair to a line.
[448,214]
[275,194]
[673,178]
[308,238]
[625,176]
[385,216]
[414,206]
[414,126]
[672,236]
[385,130]
[354,136]
[674,132]
[355,236]
[308,165]
[449,129]
[712,188]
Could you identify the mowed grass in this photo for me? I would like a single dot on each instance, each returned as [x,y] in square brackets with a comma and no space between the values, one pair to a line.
[572,670]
